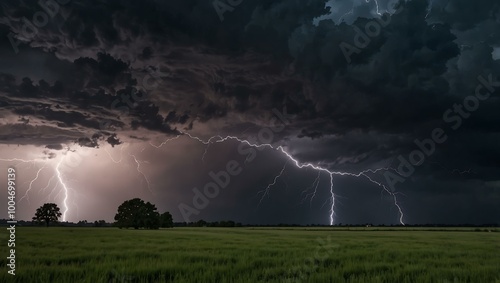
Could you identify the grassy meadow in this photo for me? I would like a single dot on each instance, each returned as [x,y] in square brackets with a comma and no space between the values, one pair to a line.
[59,254]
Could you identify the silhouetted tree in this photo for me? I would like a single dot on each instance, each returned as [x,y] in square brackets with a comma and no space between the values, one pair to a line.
[226,224]
[47,213]
[201,223]
[138,214]
[100,223]
[166,220]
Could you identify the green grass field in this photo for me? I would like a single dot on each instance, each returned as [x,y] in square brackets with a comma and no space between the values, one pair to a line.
[58,254]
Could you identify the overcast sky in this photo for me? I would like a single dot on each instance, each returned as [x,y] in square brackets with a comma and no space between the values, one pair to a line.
[104,101]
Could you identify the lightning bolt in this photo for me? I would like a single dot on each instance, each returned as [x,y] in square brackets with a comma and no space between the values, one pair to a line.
[455,170]
[348,13]
[220,139]
[265,192]
[65,189]
[376,4]
[31,184]
[395,199]
[206,149]
[33,162]
[138,162]
[121,154]
[332,211]
[314,185]
[142,173]
[58,174]
[429,9]
[207,143]
[164,142]
[48,184]
[52,191]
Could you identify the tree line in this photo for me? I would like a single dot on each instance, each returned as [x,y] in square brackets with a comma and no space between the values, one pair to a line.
[133,213]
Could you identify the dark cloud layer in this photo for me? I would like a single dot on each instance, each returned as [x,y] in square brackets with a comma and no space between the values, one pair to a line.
[106,73]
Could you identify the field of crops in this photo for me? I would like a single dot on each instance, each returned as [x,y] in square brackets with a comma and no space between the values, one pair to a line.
[58,254]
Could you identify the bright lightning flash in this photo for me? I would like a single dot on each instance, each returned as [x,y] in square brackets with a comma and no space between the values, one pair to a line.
[314,185]
[217,139]
[220,139]
[56,164]
[265,192]
[65,189]
[58,174]
[142,173]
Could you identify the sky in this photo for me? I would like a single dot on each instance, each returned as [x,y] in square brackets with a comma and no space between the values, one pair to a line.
[260,112]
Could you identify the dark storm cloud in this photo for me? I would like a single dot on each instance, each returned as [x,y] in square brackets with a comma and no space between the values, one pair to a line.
[410,58]
[312,135]
[54,146]
[464,15]
[113,140]
[84,101]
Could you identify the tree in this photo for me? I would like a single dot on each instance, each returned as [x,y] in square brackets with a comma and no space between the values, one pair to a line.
[166,220]
[138,214]
[47,213]
[100,223]
[82,223]
[201,223]
[227,223]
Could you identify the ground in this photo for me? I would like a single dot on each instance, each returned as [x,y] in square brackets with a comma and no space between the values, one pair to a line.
[59,254]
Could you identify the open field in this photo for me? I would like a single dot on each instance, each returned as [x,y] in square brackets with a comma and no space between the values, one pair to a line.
[58,254]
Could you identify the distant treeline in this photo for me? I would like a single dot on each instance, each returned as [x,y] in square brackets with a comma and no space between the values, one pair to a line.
[83,223]
[230,223]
